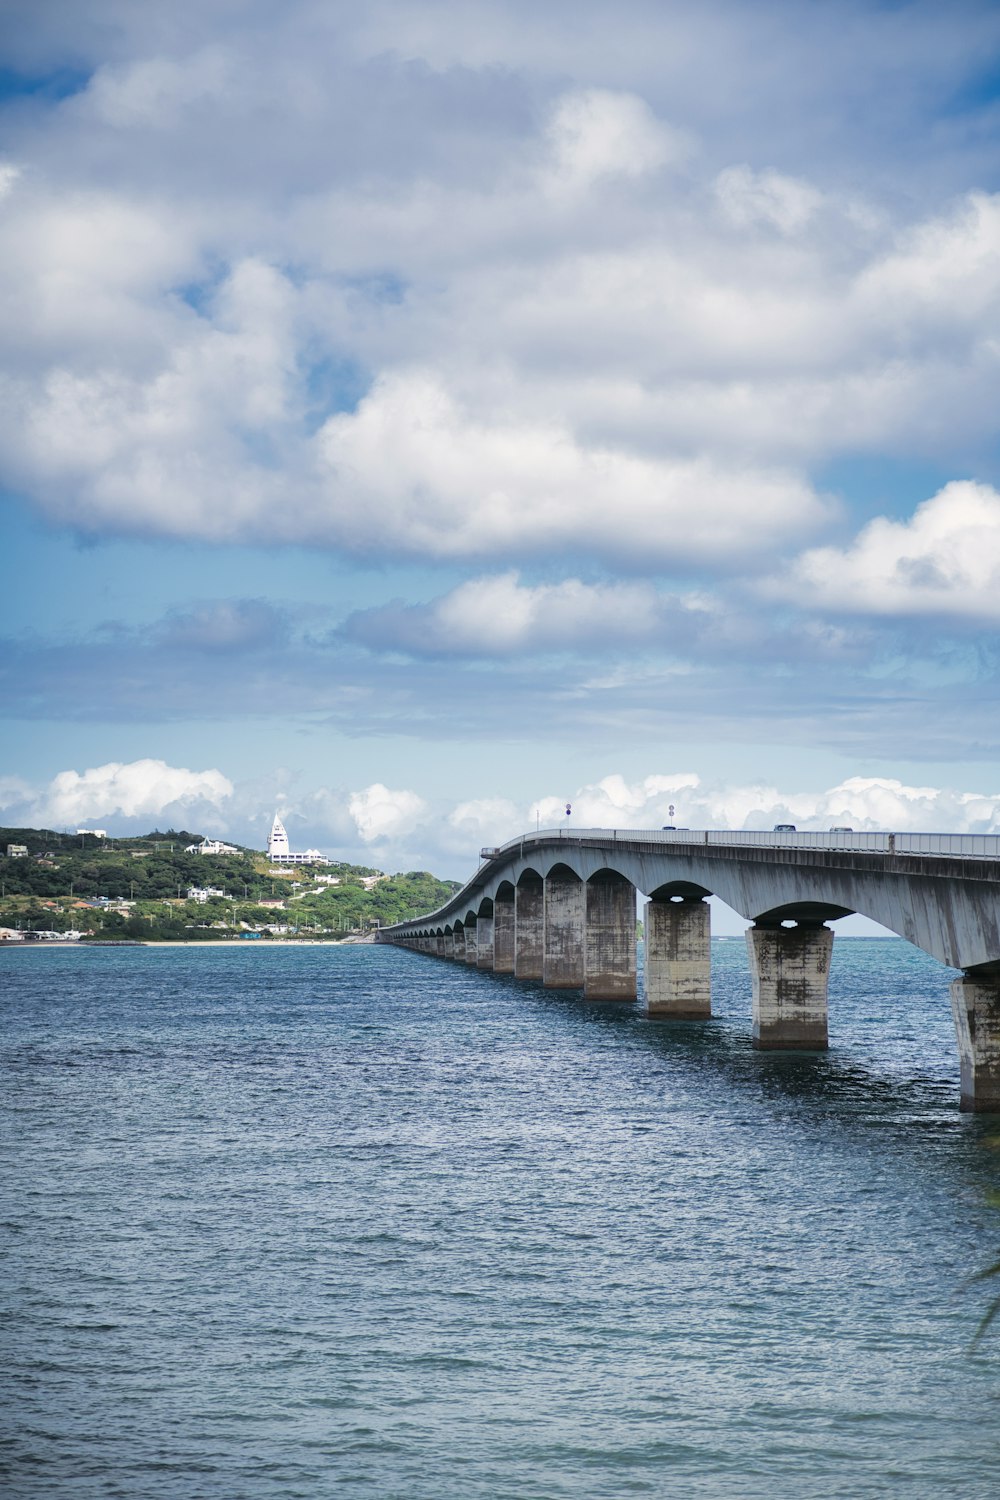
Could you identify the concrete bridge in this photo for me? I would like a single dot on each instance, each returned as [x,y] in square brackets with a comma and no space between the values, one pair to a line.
[560,907]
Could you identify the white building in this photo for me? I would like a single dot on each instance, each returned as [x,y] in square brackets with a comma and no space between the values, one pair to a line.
[211,846]
[279,853]
[203,893]
[96,833]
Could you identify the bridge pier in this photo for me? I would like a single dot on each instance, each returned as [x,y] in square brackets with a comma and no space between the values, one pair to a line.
[678,959]
[609,939]
[975,1004]
[472,942]
[503,936]
[484,942]
[790,968]
[449,945]
[529,927]
[564,904]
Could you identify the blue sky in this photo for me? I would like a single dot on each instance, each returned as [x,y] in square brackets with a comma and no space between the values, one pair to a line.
[416,416]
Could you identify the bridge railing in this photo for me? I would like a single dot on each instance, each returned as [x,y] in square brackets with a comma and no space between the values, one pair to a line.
[956,845]
[953,845]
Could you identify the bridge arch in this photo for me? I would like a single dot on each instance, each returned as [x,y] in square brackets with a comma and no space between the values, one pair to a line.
[939,892]
[805,913]
[680,890]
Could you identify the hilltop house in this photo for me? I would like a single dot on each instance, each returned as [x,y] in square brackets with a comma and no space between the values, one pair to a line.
[211,846]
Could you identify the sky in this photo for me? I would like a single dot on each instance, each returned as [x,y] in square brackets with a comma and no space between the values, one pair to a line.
[416,418]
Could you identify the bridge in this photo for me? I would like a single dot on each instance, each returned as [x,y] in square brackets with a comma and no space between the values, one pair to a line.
[560,907]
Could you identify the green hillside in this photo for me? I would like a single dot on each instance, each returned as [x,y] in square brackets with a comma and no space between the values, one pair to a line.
[144,881]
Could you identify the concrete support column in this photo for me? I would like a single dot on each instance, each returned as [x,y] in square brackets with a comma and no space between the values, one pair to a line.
[975,1004]
[459,953]
[439,944]
[563,936]
[449,945]
[790,967]
[503,937]
[678,959]
[484,942]
[609,939]
[528,930]
[472,943]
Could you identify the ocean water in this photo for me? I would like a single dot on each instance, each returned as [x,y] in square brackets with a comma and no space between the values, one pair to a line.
[357,1222]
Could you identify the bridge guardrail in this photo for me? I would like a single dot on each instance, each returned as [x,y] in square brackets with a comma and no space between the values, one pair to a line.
[952,845]
[956,845]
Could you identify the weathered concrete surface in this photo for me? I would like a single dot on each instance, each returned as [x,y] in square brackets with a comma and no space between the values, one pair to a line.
[609,939]
[941,893]
[948,906]
[472,943]
[529,926]
[484,942]
[975,1004]
[449,945]
[790,971]
[678,959]
[563,957]
[503,935]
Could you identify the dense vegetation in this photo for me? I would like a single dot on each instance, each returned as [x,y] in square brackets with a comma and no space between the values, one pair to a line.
[50,887]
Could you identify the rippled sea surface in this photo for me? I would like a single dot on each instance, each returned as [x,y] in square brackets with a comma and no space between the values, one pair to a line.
[357,1222]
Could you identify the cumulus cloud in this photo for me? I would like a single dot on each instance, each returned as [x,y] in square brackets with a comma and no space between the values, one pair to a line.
[595,133]
[864,803]
[419,466]
[498,615]
[403,829]
[380,813]
[140,788]
[564,340]
[944,560]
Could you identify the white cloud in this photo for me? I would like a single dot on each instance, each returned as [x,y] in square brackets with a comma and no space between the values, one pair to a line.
[14,792]
[410,831]
[413,467]
[945,560]
[154,92]
[501,614]
[597,133]
[783,203]
[380,813]
[864,803]
[498,615]
[140,788]
[492,818]
[9,174]
[568,342]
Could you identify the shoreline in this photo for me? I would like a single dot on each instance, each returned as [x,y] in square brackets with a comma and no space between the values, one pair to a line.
[80,947]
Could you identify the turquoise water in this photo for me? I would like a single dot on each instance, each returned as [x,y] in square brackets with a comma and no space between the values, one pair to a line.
[356,1222]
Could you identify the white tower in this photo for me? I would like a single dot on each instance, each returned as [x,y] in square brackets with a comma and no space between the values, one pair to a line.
[277,844]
